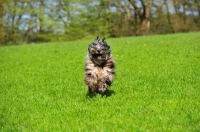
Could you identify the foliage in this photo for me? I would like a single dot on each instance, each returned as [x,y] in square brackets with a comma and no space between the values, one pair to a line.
[156,87]
[31,21]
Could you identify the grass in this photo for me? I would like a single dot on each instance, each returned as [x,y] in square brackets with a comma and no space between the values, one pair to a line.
[157,87]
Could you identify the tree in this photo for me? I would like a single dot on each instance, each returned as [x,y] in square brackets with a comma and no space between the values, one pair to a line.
[144,14]
[14,22]
[63,20]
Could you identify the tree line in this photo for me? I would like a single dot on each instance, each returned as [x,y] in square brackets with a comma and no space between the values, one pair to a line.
[32,21]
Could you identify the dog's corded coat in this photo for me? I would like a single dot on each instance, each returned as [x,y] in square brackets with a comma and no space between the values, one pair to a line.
[99,67]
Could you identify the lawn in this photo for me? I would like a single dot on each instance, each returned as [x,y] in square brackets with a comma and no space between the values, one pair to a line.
[157,86]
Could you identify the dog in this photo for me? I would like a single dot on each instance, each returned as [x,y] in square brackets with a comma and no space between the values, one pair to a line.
[99,67]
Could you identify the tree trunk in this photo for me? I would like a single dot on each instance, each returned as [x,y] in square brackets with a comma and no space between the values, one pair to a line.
[144,16]
[41,16]
[119,13]
[2,33]
[168,16]
[127,22]
[144,27]
[145,19]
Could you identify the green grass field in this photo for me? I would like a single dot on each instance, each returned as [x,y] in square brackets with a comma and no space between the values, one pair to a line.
[157,86]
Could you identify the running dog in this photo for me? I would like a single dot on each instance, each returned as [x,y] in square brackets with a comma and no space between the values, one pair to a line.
[99,67]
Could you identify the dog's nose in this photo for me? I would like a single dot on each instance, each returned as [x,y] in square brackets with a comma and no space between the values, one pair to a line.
[98,50]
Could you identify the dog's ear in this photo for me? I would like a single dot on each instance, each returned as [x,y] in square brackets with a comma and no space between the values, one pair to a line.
[97,38]
[104,40]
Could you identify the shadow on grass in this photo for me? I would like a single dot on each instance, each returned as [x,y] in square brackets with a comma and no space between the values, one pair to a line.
[107,94]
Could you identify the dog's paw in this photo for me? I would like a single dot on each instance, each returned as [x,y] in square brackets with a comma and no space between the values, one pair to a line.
[103,88]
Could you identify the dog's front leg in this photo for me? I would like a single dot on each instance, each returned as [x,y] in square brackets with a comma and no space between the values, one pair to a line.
[110,73]
[102,86]
[106,80]
[91,81]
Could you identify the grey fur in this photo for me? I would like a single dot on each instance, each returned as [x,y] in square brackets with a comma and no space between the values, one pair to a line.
[99,67]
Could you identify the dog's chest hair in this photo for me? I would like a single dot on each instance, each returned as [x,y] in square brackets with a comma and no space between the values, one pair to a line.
[100,72]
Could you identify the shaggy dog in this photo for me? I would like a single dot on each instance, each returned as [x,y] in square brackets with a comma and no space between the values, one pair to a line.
[99,67]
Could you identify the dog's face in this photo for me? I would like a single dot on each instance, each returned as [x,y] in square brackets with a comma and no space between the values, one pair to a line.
[99,51]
